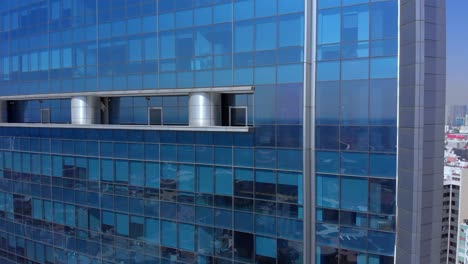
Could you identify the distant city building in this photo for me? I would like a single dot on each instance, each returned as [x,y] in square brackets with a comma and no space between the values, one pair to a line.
[455,198]
[462,251]
[450,213]
[455,115]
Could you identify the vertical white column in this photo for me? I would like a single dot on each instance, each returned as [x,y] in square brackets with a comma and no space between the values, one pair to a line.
[85,110]
[204,109]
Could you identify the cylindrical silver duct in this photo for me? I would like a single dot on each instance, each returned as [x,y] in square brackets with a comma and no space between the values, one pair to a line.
[3,111]
[85,110]
[204,109]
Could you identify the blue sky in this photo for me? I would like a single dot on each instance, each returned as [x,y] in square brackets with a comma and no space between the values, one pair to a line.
[457,51]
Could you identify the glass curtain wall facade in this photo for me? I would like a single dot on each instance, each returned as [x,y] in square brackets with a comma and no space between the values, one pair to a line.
[356,130]
[101,160]
[73,195]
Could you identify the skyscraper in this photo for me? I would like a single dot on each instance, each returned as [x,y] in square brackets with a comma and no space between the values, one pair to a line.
[221,131]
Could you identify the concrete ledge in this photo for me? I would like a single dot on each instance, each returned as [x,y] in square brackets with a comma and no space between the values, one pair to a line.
[239,129]
[152,92]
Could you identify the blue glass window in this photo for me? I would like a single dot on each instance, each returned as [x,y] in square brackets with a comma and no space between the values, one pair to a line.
[151,48]
[204,154]
[185,153]
[383,139]
[36,207]
[384,68]
[383,98]
[354,163]
[327,161]
[243,76]
[152,175]
[384,19]
[354,102]
[265,8]
[289,111]
[243,36]
[168,152]
[168,175]
[265,185]
[289,187]
[355,50]
[107,170]
[290,31]
[243,9]
[121,170]
[352,2]
[265,34]
[358,241]
[354,138]
[70,215]
[289,228]
[388,47]
[186,178]
[223,218]
[329,26]
[265,158]
[326,137]
[383,165]
[187,237]
[290,6]
[353,219]
[327,190]
[204,215]
[205,240]
[265,246]
[382,222]
[169,234]
[152,230]
[355,23]
[167,45]
[243,157]
[328,52]
[325,255]
[222,13]
[202,45]
[149,24]
[380,259]
[243,182]
[57,165]
[328,71]
[243,221]
[205,179]
[265,225]
[381,243]
[223,182]
[382,196]
[122,224]
[327,102]
[328,3]
[327,235]
[355,69]
[265,114]
[136,173]
[203,16]
[327,215]
[166,21]
[184,18]
[290,73]
[354,194]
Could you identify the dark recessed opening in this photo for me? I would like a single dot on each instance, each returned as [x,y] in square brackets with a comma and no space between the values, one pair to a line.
[155,116]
